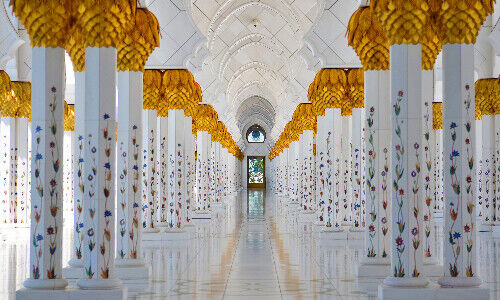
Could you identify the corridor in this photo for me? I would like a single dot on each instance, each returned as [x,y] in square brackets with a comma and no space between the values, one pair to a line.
[258,253]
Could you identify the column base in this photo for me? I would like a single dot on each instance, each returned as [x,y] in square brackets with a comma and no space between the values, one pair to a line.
[100,284]
[153,230]
[397,282]
[166,235]
[373,267]
[355,234]
[72,273]
[72,294]
[45,284]
[460,282]
[306,217]
[408,293]
[332,234]
[459,293]
[201,215]
[432,270]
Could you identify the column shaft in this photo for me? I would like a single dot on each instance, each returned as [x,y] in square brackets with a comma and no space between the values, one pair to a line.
[175,169]
[149,178]
[459,230]
[99,167]
[407,216]
[47,178]
[129,162]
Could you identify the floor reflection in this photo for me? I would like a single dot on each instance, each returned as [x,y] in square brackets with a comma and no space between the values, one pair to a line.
[255,204]
[252,250]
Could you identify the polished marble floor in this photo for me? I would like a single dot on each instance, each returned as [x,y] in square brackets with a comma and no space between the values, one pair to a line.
[250,251]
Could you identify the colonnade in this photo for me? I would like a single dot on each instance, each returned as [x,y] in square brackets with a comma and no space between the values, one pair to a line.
[136,164]
[388,159]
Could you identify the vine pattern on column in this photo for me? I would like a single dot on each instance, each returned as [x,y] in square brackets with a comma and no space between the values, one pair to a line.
[105,246]
[53,229]
[123,199]
[134,227]
[79,207]
[372,207]
[385,201]
[415,174]
[469,197]
[37,205]
[454,237]
[399,270]
[91,178]
[427,184]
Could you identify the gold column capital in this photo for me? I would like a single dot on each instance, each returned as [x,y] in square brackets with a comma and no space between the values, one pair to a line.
[139,41]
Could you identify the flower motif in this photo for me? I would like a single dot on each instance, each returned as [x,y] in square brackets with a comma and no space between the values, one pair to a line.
[399,241]
[106,116]
[400,93]
[371,228]
[453,125]
[414,231]
[456,235]
[416,146]
[466,228]
[107,213]
[90,232]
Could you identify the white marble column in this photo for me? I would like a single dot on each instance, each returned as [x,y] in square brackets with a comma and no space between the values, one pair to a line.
[459,231]
[428,242]
[346,177]
[332,139]
[407,216]
[212,173]
[68,166]
[149,177]
[189,145]
[307,165]
[321,170]
[176,170]
[79,177]
[8,145]
[129,166]
[358,169]
[161,171]
[99,169]
[293,162]
[203,143]
[23,199]
[438,171]
[47,174]
[378,177]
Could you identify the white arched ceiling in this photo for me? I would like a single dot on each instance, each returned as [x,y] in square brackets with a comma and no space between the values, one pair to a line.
[253,62]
